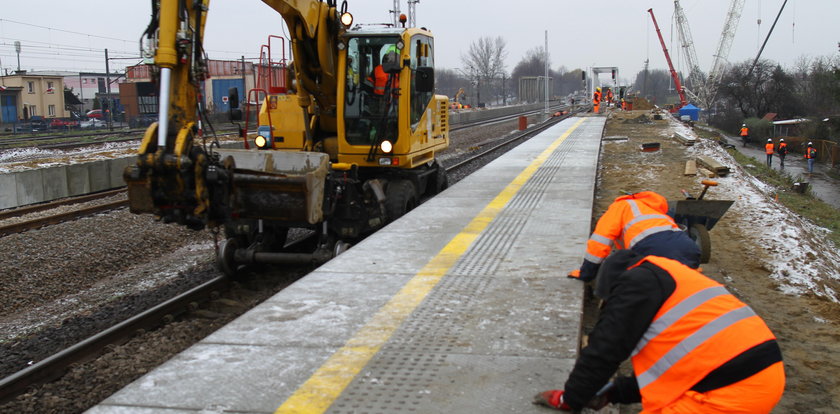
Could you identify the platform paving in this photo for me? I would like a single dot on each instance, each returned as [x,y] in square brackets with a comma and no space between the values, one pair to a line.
[461,306]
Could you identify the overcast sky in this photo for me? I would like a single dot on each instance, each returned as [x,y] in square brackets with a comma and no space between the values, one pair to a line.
[72,35]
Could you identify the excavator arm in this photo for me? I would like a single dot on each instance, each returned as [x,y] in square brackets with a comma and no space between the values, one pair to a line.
[173,167]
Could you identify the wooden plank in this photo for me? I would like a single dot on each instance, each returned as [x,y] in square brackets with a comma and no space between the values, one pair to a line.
[706,173]
[713,165]
[690,167]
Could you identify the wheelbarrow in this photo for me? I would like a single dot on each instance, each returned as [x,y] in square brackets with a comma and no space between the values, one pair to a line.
[697,216]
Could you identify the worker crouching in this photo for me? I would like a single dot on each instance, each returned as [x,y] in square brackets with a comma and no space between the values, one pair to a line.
[639,222]
[694,346]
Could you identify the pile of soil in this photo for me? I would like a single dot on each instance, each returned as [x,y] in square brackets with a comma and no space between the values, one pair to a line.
[790,281]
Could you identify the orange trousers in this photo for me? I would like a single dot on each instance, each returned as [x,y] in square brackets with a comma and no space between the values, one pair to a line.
[754,395]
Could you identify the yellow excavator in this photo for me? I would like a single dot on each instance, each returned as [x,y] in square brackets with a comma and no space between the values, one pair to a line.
[348,146]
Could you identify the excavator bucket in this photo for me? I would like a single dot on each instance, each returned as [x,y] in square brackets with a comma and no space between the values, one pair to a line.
[277,185]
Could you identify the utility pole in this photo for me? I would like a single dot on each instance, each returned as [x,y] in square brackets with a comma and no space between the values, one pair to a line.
[108,89]
[546,73]
[17,49]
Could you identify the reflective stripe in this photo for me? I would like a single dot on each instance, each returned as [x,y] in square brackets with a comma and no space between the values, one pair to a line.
[634,207]
[646,217]
[601,239]
[650,231]
[674,314]
[691,342]
[592,258]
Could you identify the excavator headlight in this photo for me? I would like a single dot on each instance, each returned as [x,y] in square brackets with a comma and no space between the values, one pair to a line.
[386,146]
[261,141]
[346,19]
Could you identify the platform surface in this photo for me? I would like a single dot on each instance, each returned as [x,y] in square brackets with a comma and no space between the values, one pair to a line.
[461,306]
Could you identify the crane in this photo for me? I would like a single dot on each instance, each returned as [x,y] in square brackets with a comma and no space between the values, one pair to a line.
[676,78]
[703,89]
[726,36]
[695,75]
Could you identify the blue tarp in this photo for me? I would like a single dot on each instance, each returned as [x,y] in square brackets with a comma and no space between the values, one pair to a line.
[690,110]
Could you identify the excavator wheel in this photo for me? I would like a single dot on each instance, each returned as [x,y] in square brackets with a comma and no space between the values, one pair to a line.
[400,198]
[441,180]
[700,234]
[225,258]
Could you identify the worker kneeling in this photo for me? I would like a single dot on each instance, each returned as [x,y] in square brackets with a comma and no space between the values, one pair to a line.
[695,348]
[639,222]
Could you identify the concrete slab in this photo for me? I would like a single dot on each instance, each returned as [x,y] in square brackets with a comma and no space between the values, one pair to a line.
[322,310]
[55,183]
[99,175]
[78,179]
[257,379]
[116,168]
[8,191]
[30,186]
[451,383]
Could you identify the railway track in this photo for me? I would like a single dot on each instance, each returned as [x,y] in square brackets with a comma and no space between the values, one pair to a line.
[56,365]
[36,223]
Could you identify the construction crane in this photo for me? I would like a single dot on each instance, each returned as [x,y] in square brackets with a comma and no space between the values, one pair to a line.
[674,75]
[726,36]
[703,89]
[695,75]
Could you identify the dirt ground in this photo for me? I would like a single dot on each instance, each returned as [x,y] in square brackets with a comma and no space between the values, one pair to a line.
[748,255]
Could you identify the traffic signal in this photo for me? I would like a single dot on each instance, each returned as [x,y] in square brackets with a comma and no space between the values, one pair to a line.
[582,75]
[613,73]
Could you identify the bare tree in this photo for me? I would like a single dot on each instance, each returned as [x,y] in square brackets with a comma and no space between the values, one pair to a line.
[485,61]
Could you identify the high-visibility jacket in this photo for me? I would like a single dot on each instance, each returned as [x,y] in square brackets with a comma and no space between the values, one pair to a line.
[782,148]
[810,152]
[745,131]
[700,327]
[380,80]
[626,222]
[596,98]
[769,148]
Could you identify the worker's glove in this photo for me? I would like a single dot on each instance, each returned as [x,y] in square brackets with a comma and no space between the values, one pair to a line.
[602,397]
[552,399]
[574,274]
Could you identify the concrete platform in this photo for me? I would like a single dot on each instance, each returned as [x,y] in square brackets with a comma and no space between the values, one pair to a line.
[461,306]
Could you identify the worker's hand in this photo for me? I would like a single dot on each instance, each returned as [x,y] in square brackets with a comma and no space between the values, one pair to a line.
[598,402]
[574,274]
[552,399]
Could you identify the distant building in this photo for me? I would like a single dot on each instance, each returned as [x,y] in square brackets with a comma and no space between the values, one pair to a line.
[24,95]
[88,87]
[139,94]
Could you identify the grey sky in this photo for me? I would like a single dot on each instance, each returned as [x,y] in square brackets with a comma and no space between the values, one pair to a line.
[580,33]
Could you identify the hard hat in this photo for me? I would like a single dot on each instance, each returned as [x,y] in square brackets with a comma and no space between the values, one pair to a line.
[810,144]
[769,140]
[743,124]
[781,140]
[598,89]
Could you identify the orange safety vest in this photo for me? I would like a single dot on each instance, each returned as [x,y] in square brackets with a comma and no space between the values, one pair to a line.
[700,327]
[627,221]
[745,131]
[768,148]
[810,152]
[380,81]
[783,148]
[596,99]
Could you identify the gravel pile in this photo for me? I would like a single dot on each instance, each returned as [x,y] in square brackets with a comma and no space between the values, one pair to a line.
[66,282]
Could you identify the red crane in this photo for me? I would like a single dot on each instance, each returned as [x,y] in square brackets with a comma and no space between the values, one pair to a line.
[680,91]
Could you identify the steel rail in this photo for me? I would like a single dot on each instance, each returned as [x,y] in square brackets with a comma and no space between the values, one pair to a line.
[17,212]
[59,218]
[56,365]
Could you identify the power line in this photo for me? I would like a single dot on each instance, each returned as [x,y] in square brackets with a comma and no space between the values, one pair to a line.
[65,31]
